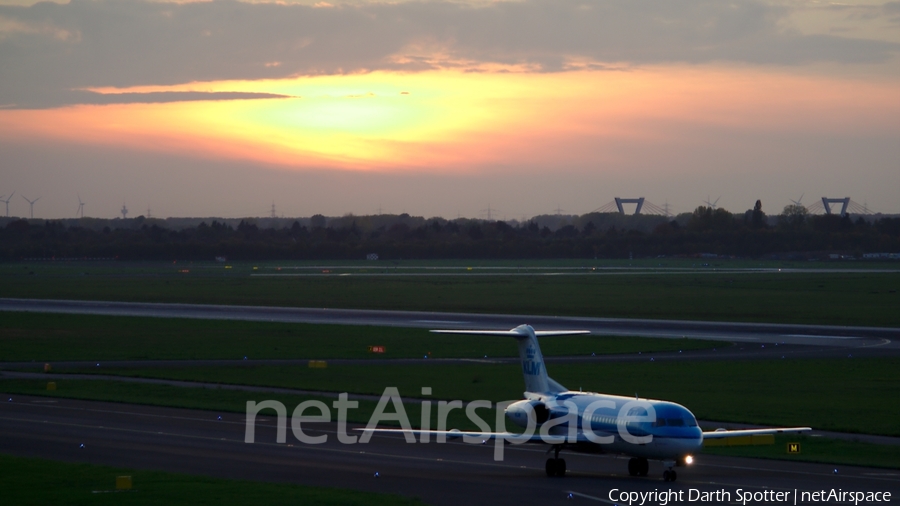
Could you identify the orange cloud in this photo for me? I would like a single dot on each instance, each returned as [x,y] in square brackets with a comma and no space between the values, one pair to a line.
[452,121]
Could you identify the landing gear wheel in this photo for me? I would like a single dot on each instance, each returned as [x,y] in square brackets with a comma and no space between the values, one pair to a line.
[669,475]
[555,467]
[643,467]
[634,467]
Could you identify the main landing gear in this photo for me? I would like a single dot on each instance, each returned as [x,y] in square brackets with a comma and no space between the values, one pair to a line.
[556,467]
[638,466]
[669,473]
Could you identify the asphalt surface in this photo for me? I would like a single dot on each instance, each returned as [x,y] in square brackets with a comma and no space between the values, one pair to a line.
[821,335]
[197,442]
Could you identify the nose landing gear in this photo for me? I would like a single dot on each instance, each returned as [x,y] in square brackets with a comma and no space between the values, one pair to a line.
[669,473]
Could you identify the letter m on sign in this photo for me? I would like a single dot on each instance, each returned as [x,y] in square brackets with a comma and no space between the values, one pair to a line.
[793,448]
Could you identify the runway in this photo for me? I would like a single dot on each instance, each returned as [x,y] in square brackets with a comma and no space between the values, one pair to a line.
[196,442]
[818,335]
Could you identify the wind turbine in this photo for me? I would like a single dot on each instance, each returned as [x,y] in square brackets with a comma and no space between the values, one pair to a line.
[712,205]
[7,202]
[80,212]
[797,202]
[124,211]
[31,203]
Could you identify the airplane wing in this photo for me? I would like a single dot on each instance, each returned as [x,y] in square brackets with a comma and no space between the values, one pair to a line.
[508,333]
[722,433]
[486,436]
[512,333]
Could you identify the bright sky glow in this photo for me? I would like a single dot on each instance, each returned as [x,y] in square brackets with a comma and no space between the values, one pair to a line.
[447,120]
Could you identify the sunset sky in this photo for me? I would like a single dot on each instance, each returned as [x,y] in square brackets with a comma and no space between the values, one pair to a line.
[444,108]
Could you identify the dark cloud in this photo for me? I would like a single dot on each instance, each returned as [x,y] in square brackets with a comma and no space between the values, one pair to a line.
[69,97]
[48,48]
[892,10]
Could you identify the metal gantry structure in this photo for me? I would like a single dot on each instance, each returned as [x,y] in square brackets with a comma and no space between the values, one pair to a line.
[641,205]
[846,206]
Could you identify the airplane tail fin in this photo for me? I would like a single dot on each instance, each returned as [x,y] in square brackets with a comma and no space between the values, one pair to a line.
[533,370]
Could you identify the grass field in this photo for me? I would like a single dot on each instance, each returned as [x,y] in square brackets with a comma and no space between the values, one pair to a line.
[861,298]
[213,400]
[847,394]
[43,338]
[819,449]
[28,481]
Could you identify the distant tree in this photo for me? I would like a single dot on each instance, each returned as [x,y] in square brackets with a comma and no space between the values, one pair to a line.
[475,232]
[793,217]
[888,226]
[758,218]
[18,226]
[708,219]
[567,231]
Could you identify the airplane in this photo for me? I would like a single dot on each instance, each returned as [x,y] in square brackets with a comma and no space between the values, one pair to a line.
[587,422]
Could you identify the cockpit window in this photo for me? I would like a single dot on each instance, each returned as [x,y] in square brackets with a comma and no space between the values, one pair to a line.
[685,420]
[637,411]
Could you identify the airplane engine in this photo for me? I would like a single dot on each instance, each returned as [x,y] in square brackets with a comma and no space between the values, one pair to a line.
[519,412]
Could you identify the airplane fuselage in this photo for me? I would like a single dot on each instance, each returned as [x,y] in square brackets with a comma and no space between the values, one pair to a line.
[646,428]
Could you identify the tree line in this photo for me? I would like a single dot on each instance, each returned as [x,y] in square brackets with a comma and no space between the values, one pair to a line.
[706,231]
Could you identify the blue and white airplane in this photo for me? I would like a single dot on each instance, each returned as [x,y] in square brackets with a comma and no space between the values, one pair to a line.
[587,422]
